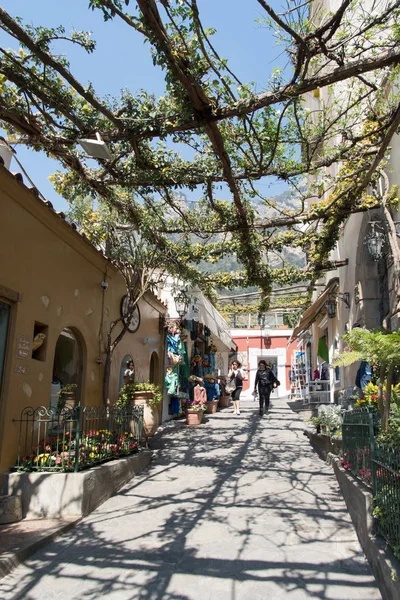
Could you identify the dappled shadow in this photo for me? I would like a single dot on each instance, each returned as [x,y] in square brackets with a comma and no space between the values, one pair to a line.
[241,504]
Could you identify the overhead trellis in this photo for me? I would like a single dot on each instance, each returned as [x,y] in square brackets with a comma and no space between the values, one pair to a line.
[237,136]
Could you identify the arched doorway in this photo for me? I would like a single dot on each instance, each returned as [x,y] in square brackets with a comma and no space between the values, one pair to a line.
[68,365]
[154,376]
[127,358]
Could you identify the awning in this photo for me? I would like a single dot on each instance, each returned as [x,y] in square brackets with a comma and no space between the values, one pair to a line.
[312,312]
[207,314]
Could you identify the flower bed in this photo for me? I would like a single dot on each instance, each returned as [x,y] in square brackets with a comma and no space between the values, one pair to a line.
[72,440]
[61,454]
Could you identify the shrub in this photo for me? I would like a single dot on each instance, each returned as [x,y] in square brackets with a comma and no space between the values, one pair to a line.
[127,393]
[329,416]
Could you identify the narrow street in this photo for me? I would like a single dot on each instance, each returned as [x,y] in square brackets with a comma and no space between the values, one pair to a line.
[239,508]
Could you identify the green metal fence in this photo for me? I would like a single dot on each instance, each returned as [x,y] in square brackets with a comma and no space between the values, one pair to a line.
[377,466]
[78,438]
[358,429]
[386,470]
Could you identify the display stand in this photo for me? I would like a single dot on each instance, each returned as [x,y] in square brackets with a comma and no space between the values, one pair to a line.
[298,383]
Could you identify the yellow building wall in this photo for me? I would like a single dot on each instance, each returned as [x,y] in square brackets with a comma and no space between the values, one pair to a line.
[57,276]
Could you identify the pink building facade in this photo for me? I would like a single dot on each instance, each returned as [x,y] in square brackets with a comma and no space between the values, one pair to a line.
[271,345]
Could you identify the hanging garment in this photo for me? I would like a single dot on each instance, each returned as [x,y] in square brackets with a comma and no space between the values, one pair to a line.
[364,375]
[184,365]
[175,407]
[174,359]
[171,382]
[173,342]
[211,358]
[323,351]
[324,372]
[194,334]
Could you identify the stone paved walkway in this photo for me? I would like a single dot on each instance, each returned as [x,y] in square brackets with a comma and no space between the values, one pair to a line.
[239,508]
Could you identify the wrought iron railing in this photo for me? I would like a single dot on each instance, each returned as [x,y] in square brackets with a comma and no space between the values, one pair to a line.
[78,438]
[377,466]
[386,471]
[358,430]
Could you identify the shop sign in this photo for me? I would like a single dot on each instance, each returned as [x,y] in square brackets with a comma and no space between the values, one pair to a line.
[23,346]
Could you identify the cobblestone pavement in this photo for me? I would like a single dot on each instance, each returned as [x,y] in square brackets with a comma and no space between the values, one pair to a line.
[238,508]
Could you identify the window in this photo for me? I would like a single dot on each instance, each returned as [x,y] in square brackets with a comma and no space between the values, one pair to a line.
[39,343]
[154,368]
[68,362]
[125,367]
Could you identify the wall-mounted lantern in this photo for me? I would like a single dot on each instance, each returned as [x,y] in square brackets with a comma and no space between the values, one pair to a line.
[182,303]
[331,306]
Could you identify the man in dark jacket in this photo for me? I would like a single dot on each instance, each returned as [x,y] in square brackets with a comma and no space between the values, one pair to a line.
[266,381]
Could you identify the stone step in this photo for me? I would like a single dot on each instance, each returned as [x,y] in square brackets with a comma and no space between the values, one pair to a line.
[10,509]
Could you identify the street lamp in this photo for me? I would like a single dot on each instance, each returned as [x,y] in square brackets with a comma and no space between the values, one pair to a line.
[374,241]
[182,303]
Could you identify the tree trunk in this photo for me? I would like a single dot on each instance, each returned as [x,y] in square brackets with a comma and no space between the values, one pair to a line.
[109,354]
[106,376]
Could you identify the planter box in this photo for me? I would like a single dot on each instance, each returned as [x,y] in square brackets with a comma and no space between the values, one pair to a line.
[224,401]
[63,495]
[194,417]
[212,407]
[324,444]
[151,416]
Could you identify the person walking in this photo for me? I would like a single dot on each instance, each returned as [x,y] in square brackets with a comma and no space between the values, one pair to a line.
[266,382]
[235,374]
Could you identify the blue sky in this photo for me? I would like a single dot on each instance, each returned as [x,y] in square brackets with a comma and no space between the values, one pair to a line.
[122,60]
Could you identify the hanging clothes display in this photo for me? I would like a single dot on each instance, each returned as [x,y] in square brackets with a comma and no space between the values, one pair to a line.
[171,381]
[184,369]
[175,406]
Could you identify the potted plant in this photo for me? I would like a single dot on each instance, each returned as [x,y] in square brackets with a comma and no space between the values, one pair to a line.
[66,396]
[147,395]
[194,411]
[225,398]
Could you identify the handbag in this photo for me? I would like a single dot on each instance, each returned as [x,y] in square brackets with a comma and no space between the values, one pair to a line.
[231,386]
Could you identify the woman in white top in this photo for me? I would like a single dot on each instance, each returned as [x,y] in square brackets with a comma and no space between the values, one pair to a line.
[235,373]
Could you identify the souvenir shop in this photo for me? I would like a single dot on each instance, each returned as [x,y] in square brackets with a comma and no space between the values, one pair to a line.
[191,361]
[198,346]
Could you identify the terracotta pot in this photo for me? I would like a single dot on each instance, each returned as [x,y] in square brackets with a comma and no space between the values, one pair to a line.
[224,401]
[151,416]
[68,400]
[212,407]
[194,417]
